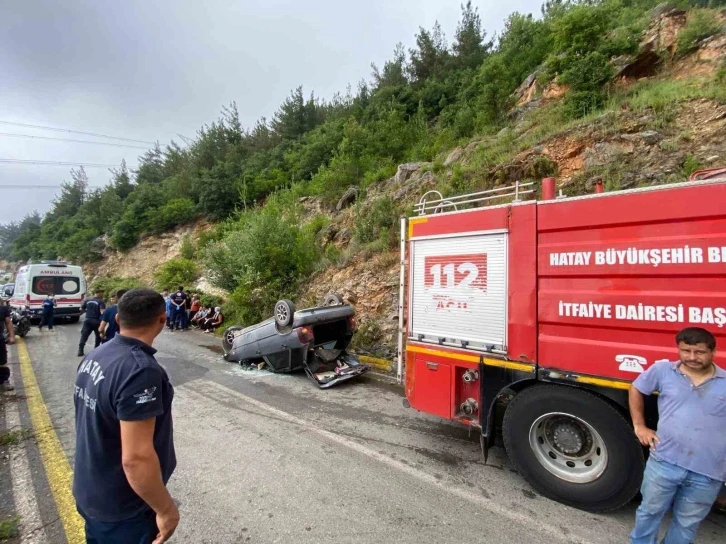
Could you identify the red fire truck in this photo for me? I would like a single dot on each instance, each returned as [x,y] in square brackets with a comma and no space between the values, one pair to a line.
[530,319]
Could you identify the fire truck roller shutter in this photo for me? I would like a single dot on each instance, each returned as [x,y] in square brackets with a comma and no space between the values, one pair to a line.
[459,290]
[574,447]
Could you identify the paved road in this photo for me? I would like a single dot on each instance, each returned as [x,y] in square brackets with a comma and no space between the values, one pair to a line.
[271,458]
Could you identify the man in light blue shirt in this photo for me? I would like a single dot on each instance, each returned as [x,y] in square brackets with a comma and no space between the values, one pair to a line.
[687,463]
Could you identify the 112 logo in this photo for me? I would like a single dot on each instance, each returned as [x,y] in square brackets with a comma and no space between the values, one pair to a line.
[452,272]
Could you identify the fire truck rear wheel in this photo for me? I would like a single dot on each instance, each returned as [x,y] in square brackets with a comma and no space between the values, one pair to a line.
[573,447]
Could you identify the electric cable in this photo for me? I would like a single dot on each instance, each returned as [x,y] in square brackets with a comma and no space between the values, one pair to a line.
[30,136]
[42,127]
[57,163]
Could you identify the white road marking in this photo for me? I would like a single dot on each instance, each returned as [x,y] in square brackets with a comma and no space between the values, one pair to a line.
[26,504]
[196,388]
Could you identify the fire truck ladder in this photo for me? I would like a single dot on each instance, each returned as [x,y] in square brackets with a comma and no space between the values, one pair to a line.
[449,204]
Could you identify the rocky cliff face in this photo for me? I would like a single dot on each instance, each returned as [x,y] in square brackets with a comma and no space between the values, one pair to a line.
[142,260]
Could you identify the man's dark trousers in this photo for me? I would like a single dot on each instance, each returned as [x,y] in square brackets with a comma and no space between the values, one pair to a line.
[140,529]
[47,319]
[180,315]
[89,326]
[4,370]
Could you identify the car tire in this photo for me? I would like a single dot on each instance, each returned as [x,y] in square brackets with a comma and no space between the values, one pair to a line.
[333,299]
[228,337]
[74,319]
[538,416]
[284,313]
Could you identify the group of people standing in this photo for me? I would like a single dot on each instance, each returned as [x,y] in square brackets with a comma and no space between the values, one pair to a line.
[100,320]
[183,312]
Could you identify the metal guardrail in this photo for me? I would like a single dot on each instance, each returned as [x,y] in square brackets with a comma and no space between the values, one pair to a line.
[442,204]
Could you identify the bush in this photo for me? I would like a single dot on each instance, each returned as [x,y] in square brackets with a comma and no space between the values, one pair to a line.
[586,78]
[109,286]
[188,250]
[125,234]
[315,225]
[173,213]
[721,73]
[210,300]
[386,169]
[702,23]
[175,272]
[371,221]
[262,262]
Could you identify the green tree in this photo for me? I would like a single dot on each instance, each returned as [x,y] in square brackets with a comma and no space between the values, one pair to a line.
[121,181]
[296,116]
[430,56]
[151,167]
[469,45]
[217,195]
[394,70]
[72,196]
[125,234]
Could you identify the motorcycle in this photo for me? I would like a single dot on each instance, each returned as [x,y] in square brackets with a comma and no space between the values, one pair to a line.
[21,324]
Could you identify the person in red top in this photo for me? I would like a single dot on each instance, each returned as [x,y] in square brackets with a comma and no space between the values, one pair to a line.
[194,308]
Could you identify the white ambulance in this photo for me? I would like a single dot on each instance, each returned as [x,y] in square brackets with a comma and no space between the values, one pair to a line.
[33,283]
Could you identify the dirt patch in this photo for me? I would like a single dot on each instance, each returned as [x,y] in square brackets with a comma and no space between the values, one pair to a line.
[567,154]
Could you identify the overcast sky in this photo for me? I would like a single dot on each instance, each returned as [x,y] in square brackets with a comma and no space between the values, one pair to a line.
[150,70]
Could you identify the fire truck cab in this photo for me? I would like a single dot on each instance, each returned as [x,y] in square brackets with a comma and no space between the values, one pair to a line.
[530,319]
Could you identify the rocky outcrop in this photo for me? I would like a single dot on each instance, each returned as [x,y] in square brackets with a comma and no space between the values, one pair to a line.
[205,286]
[454,156]
[405,171]
[526,92]
[347,199]
[143,259]
[648,137]
[659,42]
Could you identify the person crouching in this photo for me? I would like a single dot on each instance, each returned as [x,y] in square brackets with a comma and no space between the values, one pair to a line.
[213,321]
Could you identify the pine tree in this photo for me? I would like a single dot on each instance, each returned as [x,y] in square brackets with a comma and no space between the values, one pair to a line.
[428,59]
[469,47]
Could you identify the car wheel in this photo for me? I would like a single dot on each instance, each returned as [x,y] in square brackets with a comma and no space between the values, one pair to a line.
[573,447]
[284,313]
[74,319]
[333,299]
[228,337]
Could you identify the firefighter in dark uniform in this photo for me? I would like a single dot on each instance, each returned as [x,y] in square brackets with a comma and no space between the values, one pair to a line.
[94,308]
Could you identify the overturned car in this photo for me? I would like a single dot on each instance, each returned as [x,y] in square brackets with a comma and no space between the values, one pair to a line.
[314,339]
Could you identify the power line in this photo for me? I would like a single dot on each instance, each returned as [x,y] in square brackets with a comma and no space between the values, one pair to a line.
[76,132]
[57,163]
[69,140]
[14,186]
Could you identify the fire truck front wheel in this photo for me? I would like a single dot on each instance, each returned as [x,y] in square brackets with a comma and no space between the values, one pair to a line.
[573,447]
